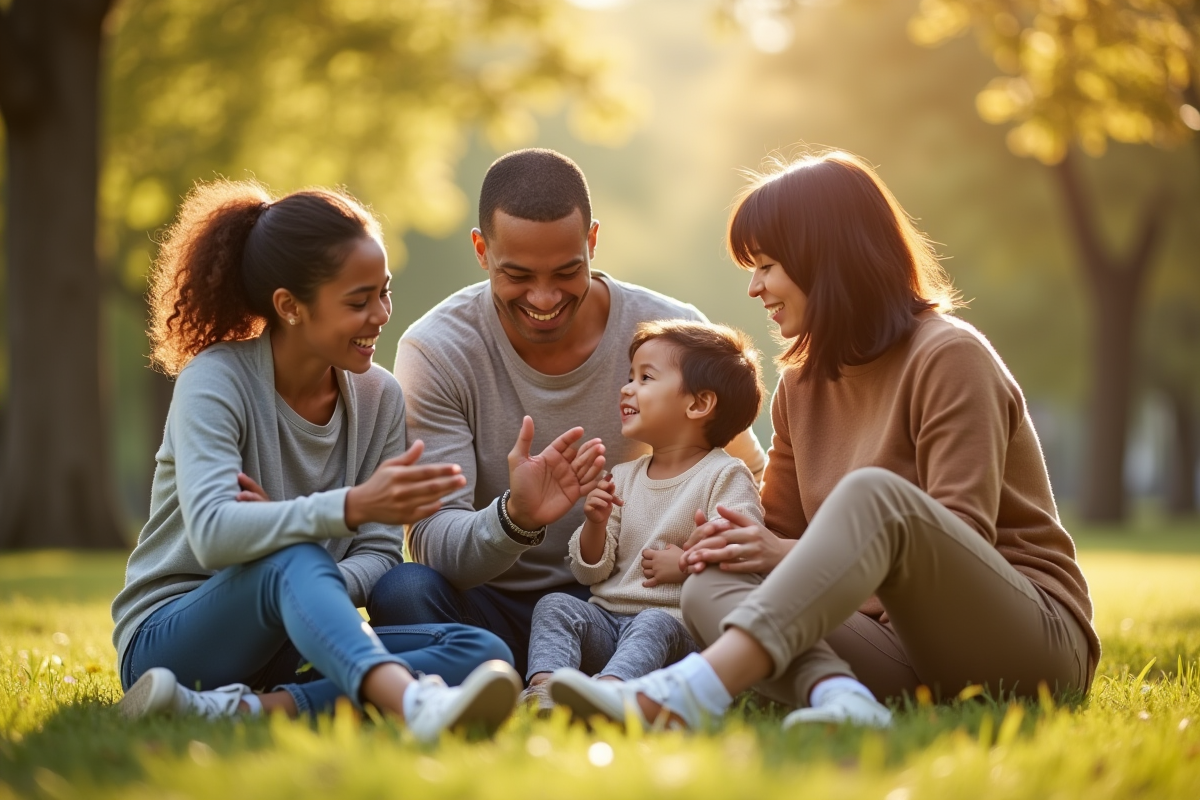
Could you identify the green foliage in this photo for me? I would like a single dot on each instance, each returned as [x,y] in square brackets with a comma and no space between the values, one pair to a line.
[1138,733]
[375,95]
[1079,71]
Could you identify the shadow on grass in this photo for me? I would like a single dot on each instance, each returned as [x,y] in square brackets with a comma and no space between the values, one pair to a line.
[1146,533]
[92,745]
[64,575]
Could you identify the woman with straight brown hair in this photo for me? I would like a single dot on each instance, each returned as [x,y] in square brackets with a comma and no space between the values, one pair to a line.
[911,537]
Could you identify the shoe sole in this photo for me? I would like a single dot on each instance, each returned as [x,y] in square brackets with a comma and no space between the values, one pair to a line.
[585,699]
[150,694]
[812,716]
[489,695]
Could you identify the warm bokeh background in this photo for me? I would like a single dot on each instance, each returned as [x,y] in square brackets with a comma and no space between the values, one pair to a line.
[661,102]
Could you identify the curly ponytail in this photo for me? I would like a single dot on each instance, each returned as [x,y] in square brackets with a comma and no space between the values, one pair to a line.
[228,251]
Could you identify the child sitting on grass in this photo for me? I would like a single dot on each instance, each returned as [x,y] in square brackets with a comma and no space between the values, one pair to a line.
[692,388]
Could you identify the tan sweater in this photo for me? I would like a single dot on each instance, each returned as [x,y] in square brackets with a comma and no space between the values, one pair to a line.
[942,411]
[658,513]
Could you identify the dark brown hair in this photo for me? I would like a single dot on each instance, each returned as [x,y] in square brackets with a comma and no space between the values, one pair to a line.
[534,184]
[230,248]
[718,359]
[841,237]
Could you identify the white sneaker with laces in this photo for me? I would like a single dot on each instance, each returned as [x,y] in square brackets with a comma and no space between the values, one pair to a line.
[485,698]
[158,692]
[588,697]
[843,707]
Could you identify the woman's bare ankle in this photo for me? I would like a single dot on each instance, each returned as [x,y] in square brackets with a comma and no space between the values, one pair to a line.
[383,686]
[274,701]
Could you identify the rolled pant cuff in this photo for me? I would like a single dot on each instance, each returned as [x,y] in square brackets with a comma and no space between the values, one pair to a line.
[752,619]
[359,671]
[303,707]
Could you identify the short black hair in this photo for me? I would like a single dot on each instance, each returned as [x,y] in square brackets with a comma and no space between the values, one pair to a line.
[534,184]
[716,358]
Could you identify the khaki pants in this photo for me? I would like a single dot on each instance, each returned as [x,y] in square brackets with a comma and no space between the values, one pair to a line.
[959,614]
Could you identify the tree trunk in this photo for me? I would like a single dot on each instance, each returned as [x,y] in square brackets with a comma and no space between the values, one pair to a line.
[54,478]
[1115,284]
[1182,452]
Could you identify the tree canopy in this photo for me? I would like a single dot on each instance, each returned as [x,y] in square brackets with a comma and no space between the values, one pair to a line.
[1079,71]
[374,95]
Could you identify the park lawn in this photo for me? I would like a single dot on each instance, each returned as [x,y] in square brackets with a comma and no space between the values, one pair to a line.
[1137,735]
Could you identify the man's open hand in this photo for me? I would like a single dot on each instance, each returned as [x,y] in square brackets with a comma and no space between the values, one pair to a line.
[545,487]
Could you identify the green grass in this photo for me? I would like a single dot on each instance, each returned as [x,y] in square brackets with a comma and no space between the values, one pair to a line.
[1136,735]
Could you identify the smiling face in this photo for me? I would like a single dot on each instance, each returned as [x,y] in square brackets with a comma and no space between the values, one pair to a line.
[654,404]
[342,323]
[539,271]
[784,301]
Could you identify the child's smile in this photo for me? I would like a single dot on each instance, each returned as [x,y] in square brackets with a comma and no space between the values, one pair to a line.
[654,404]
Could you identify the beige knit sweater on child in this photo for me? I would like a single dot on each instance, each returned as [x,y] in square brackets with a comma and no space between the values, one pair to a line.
[658,513]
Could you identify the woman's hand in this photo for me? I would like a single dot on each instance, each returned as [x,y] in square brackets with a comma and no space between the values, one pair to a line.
[250,492]
[662,566]
[600,501]
[735,542]
[401,492]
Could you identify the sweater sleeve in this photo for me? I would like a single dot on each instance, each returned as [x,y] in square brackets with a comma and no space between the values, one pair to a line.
[735,488]
[746,447]
[208,419]
[783,509]
[466,546]
[376,547]
[965,411]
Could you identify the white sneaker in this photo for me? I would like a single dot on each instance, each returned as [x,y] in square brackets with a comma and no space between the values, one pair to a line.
[845,707]
[485,698]
[157,692]
[587,697]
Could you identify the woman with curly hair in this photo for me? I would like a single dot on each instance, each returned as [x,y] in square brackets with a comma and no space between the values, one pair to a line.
[283,481]
[910,535]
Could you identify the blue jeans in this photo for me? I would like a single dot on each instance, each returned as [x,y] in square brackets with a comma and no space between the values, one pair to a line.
[259,623]
[414,594]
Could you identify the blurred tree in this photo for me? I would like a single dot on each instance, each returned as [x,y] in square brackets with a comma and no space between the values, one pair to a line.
[1079,73]
[53,487]
[374,95]
[371,94]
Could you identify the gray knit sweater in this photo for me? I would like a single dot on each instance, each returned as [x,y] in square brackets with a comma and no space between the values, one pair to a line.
[226,417]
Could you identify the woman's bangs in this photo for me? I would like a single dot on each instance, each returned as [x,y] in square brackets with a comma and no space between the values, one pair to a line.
[753,227]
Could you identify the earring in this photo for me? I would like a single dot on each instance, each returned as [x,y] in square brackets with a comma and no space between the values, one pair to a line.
[291,321]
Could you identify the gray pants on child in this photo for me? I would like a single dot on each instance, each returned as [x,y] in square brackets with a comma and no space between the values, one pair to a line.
[569,632]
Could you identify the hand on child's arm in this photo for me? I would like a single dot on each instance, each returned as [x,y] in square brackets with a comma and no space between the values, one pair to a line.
[734,542]
[662,566]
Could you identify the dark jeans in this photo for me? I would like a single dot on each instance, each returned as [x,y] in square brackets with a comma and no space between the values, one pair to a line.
[258,623]
[414,594]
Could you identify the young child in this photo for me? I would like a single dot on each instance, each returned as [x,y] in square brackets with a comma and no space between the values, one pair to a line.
[692,388]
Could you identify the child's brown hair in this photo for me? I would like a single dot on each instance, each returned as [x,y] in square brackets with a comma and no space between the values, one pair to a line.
[718,359]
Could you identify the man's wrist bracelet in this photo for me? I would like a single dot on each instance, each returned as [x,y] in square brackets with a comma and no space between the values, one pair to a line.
[514,530]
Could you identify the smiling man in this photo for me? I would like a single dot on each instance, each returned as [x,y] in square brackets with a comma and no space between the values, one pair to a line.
[546,337]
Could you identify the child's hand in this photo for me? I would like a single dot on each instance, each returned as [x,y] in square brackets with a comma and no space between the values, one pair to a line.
[600,501]
[662,566]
